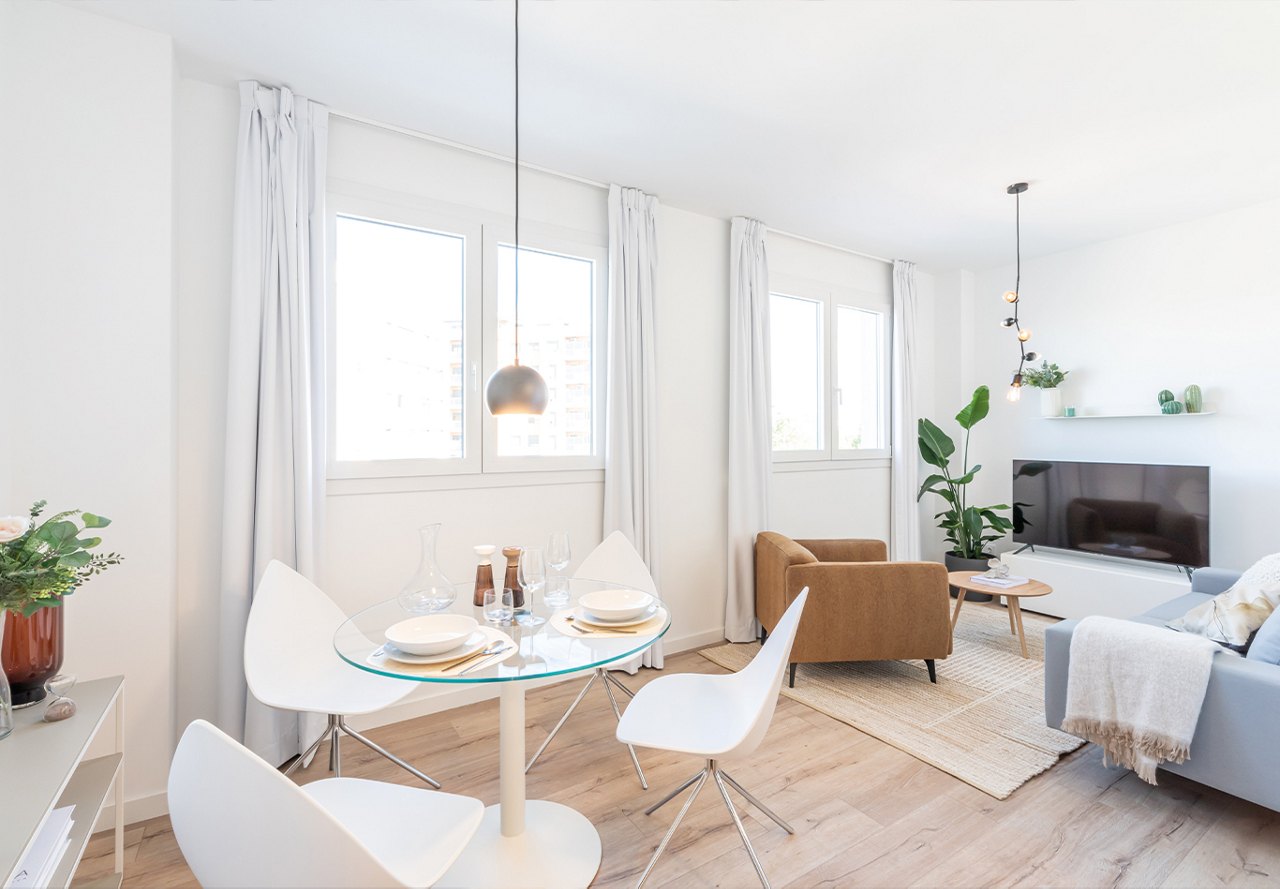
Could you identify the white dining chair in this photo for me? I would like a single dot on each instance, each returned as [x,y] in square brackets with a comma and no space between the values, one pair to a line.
[715,717]
[615,560]
[240,823]
[290,664]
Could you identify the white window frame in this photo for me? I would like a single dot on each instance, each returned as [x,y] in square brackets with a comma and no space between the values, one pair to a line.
[423,217]
[794,289]
[483,231]
[565,242]
[831,297]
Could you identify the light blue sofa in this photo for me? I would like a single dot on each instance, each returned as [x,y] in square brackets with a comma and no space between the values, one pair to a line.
[1236,747]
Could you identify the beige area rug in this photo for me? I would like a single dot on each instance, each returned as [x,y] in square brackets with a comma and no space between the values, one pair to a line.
[984,720]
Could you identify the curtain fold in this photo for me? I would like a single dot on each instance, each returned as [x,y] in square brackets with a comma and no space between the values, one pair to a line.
[275,456]
[904,539]
[750,420]
[631,457]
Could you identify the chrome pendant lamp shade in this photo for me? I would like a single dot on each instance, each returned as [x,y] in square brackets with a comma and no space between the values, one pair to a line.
[516,389]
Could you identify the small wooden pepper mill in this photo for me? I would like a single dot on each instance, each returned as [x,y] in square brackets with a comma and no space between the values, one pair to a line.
[484,573]
[513,575]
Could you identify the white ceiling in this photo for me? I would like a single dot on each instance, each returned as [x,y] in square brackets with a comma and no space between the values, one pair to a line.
[891,128]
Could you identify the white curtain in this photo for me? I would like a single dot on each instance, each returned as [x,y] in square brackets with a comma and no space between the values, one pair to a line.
[275,469]
[750,420]
[631,458]
[905,477]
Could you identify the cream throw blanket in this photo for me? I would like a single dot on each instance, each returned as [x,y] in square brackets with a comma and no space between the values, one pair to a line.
[1135,690]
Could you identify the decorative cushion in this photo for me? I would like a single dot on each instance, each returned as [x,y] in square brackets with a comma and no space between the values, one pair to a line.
[1266,642]
[1230,618]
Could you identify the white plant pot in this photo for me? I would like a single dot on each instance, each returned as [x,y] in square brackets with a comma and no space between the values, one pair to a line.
[1050,403]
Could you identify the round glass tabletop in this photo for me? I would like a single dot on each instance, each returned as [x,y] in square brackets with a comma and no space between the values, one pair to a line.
[548,649]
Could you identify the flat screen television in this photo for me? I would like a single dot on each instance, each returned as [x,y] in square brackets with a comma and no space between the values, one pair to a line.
[1141,511]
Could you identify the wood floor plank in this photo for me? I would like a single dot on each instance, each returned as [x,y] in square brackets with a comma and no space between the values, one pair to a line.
[866,814]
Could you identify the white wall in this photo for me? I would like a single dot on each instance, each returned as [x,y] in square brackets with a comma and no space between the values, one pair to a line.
[86,287]
[1189,303]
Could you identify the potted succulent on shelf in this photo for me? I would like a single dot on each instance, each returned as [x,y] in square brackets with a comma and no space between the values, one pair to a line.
[40,565]
[968,528]
[1047,378]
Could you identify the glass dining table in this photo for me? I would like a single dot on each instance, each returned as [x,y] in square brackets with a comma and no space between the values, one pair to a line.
[520,842]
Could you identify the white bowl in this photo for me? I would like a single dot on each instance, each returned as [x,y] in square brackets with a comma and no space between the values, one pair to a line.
[431,633]
[616,604]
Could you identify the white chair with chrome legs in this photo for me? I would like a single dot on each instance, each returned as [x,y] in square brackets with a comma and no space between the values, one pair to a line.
[240,823]
[615,560]
[716,717]
[290,664]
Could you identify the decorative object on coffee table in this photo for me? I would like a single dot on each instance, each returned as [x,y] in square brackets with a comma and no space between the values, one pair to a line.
[968,528]
[964,580]
[41,564]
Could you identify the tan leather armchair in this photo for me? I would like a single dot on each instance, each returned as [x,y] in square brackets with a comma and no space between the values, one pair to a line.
[861,606]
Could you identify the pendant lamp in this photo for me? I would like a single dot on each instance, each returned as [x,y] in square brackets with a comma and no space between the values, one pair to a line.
[516,388]
[1013,297]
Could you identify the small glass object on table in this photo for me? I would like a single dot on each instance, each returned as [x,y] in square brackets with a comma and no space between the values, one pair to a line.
[60,706]
[559,552]
[429,590]
[533,577]
[499,606]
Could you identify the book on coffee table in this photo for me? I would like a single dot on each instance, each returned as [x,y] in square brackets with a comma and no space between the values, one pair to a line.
[1003,583]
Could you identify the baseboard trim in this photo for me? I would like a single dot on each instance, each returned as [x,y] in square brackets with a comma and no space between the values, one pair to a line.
[141,808]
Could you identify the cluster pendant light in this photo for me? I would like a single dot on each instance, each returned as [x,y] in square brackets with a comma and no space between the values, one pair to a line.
[1013,297]
[516,389]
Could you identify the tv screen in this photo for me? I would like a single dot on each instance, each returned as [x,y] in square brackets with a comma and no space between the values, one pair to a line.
[1141,511]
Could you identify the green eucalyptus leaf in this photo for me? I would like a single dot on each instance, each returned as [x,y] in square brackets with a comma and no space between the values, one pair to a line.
[95,521]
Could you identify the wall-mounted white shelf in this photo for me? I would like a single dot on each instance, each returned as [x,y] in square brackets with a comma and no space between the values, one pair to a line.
[1131,416]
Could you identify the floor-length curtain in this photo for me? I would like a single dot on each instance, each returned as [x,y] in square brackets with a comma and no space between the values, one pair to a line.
[750,421]
[631,456]
[904,477]
[275,458]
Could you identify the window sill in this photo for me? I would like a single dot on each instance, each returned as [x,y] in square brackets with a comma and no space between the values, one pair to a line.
[844,463]
[468,481]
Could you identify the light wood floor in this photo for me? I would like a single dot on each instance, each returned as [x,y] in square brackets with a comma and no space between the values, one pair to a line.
[865,813]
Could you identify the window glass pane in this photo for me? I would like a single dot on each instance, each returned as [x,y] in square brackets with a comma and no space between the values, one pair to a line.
[555,340]
[795,341]
[399,342]
[859,384]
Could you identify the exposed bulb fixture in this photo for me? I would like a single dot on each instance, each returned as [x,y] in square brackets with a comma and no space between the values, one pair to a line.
[516,389]
[1013,297]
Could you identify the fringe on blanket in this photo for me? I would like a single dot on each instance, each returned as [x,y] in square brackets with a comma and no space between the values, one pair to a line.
[1128,746]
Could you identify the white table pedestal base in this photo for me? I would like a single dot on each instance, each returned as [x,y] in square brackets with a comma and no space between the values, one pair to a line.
[559,849]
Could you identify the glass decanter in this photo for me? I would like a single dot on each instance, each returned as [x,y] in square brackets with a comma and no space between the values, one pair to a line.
[429,589]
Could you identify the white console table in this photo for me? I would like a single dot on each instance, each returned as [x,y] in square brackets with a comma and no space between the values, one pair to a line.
[1083,586]
[42,767]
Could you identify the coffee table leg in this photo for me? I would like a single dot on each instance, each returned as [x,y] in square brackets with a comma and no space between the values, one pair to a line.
[1008,606]
[955,615]
[1017,613]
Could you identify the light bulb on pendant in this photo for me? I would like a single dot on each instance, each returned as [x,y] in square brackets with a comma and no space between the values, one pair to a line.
[1015,388]
[1010,296]
[1024,334]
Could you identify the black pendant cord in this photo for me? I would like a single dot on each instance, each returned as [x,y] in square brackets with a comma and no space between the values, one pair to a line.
[517,128]
[1017,279]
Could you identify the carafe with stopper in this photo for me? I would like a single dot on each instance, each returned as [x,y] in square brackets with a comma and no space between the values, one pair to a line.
[512,581]
[484,573]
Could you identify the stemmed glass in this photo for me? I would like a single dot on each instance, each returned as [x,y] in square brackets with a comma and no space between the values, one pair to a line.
[533,577]
[558,551]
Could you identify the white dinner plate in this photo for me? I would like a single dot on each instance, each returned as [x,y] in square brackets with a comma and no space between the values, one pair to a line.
[470,645]
[586,617]
[617,604]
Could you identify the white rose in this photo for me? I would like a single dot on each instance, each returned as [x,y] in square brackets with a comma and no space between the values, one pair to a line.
[13,526]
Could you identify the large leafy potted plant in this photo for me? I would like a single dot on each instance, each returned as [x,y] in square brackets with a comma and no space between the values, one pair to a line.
[40,565]
[968,528]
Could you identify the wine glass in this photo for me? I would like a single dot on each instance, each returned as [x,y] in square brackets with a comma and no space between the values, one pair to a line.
[533,577]
[558,551]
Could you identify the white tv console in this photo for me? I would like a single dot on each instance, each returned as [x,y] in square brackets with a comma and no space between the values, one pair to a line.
[1084,585]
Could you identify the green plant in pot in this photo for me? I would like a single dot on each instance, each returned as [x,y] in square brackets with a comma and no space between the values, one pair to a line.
[1047,378]
[41,563]
[968,528]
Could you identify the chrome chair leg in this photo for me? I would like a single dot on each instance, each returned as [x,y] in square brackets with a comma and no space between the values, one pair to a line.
[673,794]
[702,779]
[737,822]
[755,802]
[635,760]
[617,683]
[310,750]
[576,701]
[335,752]
[342,724]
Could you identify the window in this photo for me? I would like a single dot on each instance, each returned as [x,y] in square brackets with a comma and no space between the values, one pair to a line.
[422,312]
[828,361]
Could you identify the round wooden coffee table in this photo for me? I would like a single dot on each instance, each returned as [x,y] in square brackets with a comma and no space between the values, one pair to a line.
[963,580]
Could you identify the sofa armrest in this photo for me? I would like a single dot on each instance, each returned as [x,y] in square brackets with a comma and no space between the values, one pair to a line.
[872,610]
[849,550]
[1213,580]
